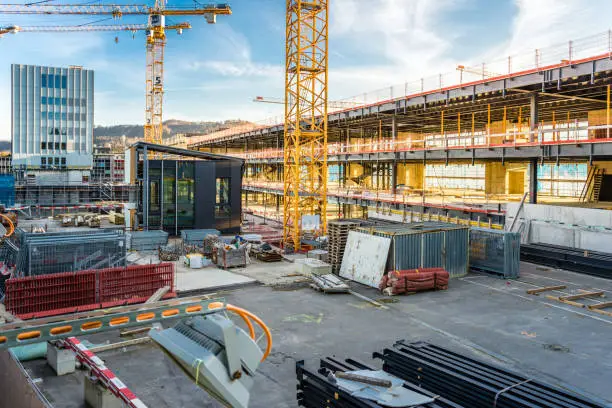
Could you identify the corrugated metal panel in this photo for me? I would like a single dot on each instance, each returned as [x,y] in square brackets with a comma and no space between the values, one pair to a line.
[196,236]
[148,240]
[495,251]
[426,245]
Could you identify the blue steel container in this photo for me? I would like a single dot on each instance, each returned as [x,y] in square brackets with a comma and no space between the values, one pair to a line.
[7,190]
[426,245]
[495,251]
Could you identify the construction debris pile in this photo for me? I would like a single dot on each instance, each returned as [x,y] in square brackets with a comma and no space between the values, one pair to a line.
[231,255]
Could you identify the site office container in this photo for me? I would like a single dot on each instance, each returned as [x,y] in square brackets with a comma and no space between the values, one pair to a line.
[495,251]
[426,245]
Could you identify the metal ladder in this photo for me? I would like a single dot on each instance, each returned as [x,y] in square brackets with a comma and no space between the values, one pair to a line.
[597,180]
[592,186]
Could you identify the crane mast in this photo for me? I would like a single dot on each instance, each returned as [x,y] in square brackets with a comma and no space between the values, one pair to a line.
[154,93]
[305,133]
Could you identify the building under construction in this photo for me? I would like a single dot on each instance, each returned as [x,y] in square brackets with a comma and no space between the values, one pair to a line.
[456,147]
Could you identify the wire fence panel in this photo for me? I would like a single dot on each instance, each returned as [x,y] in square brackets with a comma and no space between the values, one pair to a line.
[497,252]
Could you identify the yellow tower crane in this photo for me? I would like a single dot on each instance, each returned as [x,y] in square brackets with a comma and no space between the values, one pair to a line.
[156,41]
[305,134]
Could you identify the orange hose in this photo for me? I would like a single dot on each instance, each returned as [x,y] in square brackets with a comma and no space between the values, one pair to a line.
[11,226]
[217,305]
[244,313]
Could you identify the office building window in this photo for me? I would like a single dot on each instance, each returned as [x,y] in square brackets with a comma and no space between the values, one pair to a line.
[83,102]
[63,146]
[64,102]
[64,82]
[58,83]
[57,145]
[70,101]
[57,116]
[43,100]
[63,132]
[50,115]
[44,80]
[222,198]
[58,101]
[83,117]
[63,115]
[43,161]
[43,145]
[50,131]
[57,161]
[56,131]
[51,78]
[63,162]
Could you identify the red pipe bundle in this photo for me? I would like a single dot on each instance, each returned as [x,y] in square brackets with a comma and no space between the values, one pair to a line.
[414,280]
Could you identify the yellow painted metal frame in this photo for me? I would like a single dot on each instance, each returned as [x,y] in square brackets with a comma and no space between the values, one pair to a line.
[305,135]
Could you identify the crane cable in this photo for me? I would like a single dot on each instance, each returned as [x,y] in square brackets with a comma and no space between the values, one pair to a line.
[245,315]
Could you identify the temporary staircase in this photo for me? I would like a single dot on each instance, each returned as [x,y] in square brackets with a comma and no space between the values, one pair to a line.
[592,186]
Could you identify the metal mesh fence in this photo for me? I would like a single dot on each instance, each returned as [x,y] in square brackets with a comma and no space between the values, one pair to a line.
[495,251]
[54,252]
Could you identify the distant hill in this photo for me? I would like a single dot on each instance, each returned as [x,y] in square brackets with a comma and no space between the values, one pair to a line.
[171,128]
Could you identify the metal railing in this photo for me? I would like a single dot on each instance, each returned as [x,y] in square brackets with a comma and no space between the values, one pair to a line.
[561,54]
[561,133]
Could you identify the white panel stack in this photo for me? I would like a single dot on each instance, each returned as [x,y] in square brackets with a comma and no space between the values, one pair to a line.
[365,257]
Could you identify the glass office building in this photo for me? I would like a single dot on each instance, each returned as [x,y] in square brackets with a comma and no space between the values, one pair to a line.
[52,117]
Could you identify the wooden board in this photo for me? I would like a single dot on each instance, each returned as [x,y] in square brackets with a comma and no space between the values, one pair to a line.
[365,257]
[545,289]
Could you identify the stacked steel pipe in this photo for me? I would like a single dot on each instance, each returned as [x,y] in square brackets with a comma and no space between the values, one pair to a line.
[471,382]
[317,389]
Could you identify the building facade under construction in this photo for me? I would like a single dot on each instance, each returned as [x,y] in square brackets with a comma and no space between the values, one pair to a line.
[456,152]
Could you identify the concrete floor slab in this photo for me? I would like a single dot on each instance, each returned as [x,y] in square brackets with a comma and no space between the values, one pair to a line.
[480,316]
[208,278]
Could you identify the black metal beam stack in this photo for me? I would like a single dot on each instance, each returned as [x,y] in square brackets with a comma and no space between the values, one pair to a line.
[573,259]
[473,383]
[316,390]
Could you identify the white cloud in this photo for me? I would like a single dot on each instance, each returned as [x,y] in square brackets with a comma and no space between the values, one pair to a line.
[242,68]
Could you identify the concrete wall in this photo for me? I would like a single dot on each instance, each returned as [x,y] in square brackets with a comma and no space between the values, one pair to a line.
[15,387]
[576,227]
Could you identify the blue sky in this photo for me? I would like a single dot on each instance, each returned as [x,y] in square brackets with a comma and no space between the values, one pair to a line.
[213,71]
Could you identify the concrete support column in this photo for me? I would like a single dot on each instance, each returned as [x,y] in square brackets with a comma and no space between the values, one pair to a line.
[278,200]
[533,181]
[393,177]
[534,116]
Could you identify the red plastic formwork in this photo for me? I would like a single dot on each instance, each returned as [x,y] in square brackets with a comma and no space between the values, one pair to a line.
[47,292]
[70,292]
[133,283]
